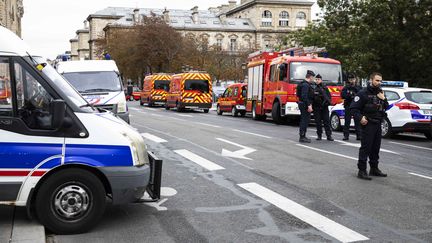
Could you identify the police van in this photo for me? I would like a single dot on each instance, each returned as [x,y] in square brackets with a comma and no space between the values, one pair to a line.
[410,110]
[59,156]
[99,82]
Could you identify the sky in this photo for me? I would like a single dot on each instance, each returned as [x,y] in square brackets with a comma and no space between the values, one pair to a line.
[48,25]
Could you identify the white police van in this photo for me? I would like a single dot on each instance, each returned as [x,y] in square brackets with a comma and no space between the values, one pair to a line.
[60,157]
[410,110]
[99,82]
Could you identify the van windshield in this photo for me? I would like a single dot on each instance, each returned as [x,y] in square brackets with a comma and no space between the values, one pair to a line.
[161,84]
[197,85]
[88,82]
[331,73]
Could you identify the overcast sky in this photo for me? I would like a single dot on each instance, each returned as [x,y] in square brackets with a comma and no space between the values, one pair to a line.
[48,25]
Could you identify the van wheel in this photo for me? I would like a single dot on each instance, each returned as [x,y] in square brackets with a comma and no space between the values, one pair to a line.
[276,116]
[386,128]
[167,107]
[206,110]
[242,113]
[234,111]
[335,123]
[428,135]
[141,102]
[179,108]
[70,201]
[131,98]
[219,111]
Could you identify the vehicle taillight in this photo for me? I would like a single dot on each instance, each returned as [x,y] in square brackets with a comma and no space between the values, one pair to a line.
[407,106]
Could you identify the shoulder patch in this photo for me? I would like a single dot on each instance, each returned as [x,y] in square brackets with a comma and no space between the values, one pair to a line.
[356,99]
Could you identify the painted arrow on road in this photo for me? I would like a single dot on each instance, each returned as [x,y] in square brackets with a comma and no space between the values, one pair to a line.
[239,154]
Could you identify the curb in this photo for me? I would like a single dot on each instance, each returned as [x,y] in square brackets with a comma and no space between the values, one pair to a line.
[26,230]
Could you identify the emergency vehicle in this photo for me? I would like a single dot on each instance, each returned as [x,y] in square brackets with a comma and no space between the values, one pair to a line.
[155,89]
[233,100]
[190,90]
[60,157]
[410,110]
[4,90]
[274,76]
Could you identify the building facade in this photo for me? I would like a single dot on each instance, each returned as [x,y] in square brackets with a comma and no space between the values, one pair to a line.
[11,12]
[249,25]
[80,44]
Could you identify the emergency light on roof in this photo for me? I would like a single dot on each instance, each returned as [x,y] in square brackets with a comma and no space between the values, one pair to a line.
[401,84]
[304,51]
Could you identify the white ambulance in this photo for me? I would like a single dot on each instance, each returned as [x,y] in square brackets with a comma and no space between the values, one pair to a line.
[60,157]
[99,82]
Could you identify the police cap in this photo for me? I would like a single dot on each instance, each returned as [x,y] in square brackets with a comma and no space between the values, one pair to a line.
[318,76]
[310,73]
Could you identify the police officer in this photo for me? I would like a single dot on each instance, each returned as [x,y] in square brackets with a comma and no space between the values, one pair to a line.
[322,100]
[348,93]
[305,94]
[369,107]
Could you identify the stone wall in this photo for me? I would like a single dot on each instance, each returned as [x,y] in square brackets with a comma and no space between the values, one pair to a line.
[11,13]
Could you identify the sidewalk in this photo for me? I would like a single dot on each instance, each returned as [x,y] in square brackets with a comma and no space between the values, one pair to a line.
[19,229]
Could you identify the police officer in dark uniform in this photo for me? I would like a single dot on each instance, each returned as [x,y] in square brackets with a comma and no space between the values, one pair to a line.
[348,93]
[322,100]
[369,107]
[305,94]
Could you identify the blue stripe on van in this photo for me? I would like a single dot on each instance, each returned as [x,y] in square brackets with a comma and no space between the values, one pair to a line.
[26,155]
[98,155]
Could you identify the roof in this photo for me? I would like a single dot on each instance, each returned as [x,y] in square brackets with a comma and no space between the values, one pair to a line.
[86,66]
[270,2]
[11,44]
[409,89]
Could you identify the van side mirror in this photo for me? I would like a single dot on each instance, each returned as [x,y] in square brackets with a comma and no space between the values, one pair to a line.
[58,112]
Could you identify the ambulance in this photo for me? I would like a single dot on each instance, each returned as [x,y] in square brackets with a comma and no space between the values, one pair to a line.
[155,89]
[59,156]
[190,90]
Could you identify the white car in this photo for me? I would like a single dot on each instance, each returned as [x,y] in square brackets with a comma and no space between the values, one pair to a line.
[410,110]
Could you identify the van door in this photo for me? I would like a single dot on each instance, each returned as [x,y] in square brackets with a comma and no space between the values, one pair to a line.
[28,145]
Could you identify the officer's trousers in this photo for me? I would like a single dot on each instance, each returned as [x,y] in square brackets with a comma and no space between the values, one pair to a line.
[304,118]
[370,145]
[348,123]
[321,115]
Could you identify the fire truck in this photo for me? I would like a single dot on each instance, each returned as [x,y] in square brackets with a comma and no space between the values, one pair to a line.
[4,91]
[155,89]
[274,76]
[190,90]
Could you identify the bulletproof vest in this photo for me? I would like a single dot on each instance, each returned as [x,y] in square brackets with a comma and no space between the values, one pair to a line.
[374,107]
[353,90]
[318,95]
[310,90]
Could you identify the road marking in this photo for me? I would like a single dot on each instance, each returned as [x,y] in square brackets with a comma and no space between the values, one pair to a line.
[240,154]
[156,115]
[135,109]
[205,124]
[328,152]
[178,119]
[251,133]
[357,145]
[153,138]
[199,160]
[184,115]
[414,146]
[316,220]
[427,177]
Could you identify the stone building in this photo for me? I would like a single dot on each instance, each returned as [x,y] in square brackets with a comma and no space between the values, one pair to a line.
[11,12]
[250,25]
[80,44]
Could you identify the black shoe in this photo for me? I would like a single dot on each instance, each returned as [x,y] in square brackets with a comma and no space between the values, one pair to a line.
[358,138]
[345,138]
[304,140]
[376,172]
[329,138]
[362,174]
[319,137]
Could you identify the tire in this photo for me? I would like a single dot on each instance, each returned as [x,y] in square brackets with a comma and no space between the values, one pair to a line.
[179,109]
[256,116]
[234,111]
[206,110]
[219,111]
[428,135]
[276,116]
[242,113]
[141,102]
[167,107]
[386,128]
[55,195]
[131,98]
[335,123]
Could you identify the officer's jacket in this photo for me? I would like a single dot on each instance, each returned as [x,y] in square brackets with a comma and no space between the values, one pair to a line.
[349,92]
[366,103]
[307,93]
[322,96]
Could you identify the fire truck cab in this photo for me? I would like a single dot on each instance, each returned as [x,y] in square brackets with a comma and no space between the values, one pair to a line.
[155,89]
[273,78]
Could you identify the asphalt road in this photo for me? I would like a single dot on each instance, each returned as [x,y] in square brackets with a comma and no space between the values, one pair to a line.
[232,179]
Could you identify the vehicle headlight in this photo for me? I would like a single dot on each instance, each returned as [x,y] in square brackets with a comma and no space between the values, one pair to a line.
[138,148]
[121,107]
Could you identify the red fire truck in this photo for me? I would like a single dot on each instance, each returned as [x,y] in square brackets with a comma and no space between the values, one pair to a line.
[273,78]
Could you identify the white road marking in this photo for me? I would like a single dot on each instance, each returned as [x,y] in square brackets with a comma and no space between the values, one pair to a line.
[184,115]
[135,109]
[240,154]
[423,176]
[328,152]
[178,119]
[205,124]
[251,133]
[153,138]
[413,146]
[156,115]
[199,160]
[318,221]
[357,145]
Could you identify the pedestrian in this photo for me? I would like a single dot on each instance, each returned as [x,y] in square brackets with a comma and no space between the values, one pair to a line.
[348,93]
[369,108]
[305,94]
[322,100]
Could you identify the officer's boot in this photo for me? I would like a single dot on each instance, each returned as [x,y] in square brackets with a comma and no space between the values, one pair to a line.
[346,137]
[362,174]
[330,138]
[319,137]
[358,137]
[377,172]
[304,139]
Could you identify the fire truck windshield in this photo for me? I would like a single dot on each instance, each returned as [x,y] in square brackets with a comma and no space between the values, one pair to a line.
[197,85]
[161,84]
[331,73]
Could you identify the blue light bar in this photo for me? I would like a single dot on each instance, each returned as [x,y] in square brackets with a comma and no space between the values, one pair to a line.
[401,84]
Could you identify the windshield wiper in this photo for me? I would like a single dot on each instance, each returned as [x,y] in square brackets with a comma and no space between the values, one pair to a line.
[96,90]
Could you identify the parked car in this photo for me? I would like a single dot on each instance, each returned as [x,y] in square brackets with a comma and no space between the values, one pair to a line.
[233,100]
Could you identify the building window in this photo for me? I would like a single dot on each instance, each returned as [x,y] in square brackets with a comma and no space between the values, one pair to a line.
[301,15]
[233,44]
[301,19]
[283,18]
[219,44]
[266,18]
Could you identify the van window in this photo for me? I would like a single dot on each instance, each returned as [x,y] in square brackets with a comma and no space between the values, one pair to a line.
[272,72]
[227,92]
[244,91]
[235,93]
[197,85]
[5,88]
[161,84]
[87,82]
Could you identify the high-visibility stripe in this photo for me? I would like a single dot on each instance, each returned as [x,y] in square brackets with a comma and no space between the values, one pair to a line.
[22,173]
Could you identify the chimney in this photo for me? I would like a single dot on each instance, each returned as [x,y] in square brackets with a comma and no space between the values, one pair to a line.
[225,8]
[86,25]
[232,4]
[195,14]
[222,18]
[136,16]
[213,10]
[166,16]
[244,1]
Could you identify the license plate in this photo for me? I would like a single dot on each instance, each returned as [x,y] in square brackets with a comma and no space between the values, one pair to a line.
[427,112]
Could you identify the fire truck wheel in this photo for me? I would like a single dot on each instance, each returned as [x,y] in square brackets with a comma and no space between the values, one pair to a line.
[218,110]
[428,135]
[255,116]
[206,110]
[167,107]
[234,112]
[179,108]
[70,201]
[141,102]
[276,116]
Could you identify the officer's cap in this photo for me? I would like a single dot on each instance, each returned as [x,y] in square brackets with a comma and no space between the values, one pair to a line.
[318,76]
[350,76]
[310,73]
